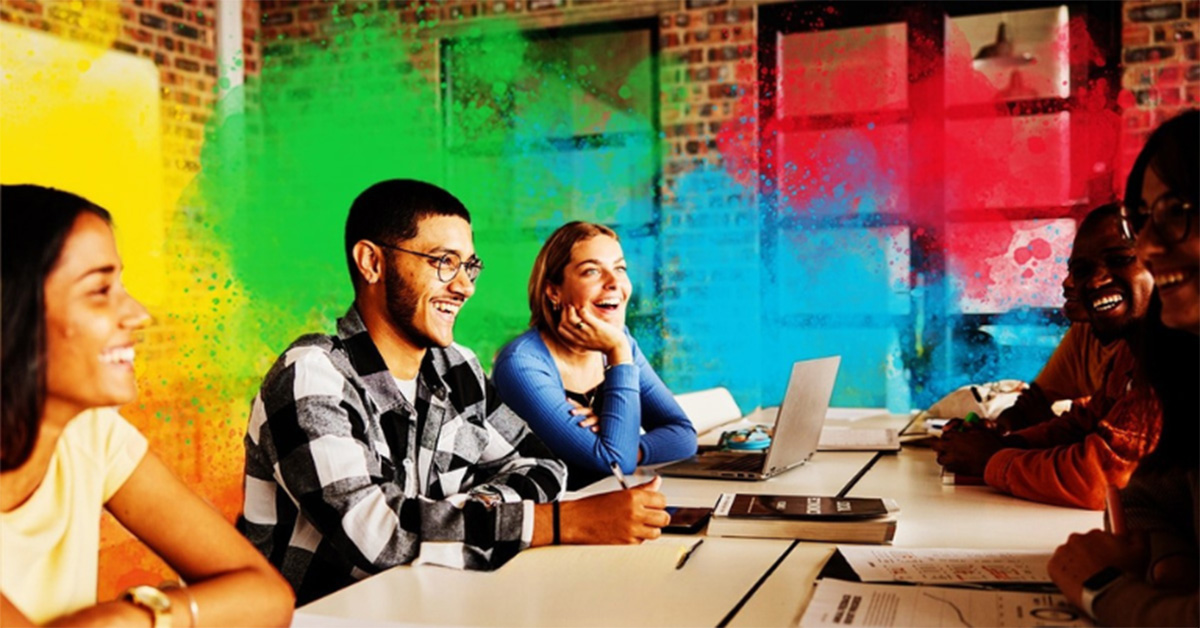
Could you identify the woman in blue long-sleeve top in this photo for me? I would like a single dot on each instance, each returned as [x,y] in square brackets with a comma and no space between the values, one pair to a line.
[577,376]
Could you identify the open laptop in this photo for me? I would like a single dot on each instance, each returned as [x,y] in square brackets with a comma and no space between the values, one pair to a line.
[797,431]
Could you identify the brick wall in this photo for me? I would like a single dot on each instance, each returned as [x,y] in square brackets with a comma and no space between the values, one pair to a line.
[178,36]
[1161,55]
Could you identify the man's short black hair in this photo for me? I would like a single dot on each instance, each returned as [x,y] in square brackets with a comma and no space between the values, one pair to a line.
[388,212]
[1097,216]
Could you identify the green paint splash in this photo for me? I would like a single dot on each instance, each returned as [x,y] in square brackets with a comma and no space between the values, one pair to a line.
[528,133]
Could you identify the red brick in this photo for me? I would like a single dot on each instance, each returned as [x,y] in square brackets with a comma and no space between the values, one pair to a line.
[1138,118]
[459,12]
[717,92]
[139,34]
[1155,12]
[26,6]
[1170,75]
[737,33]
[187,65]
[1135,35]
[730,16]
[278,18]
[1139,77]
[153,21]
[500,7]
[730,53]
[1170,97]
[669,40]
[1192,94]
[695,55]
[1148,54]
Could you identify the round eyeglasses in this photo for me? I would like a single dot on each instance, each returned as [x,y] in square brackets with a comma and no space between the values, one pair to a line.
[447,264]
[1170,216]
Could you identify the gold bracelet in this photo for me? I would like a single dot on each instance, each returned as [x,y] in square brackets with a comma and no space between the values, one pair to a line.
[193,608]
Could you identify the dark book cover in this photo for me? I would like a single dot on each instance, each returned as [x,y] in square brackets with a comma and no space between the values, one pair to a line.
[807,507]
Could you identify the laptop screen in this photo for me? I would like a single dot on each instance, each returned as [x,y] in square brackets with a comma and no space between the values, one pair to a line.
[802,413]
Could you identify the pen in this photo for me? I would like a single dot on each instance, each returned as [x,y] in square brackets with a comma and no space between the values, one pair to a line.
[620,476]
[688,554]
[1114,512]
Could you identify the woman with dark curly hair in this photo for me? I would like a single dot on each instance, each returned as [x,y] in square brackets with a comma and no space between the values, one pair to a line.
[1143,570]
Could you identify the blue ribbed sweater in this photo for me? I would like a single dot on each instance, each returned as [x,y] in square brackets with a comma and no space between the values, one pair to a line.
[633,397]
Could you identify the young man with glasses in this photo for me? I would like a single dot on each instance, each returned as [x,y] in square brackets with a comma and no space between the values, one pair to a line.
[385,444]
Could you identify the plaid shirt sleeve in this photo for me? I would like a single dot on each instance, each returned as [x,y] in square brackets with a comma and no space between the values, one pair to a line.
[322,487]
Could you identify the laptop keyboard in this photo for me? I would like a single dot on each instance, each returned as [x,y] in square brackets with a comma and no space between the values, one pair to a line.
[740,463]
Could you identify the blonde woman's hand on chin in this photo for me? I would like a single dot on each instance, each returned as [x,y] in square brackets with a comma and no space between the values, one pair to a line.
[585,330]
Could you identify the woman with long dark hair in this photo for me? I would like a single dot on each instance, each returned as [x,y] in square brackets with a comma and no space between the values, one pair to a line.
[1144,570]
[69,332]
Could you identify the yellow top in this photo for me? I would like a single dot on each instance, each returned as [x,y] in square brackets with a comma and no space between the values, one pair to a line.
[50,545]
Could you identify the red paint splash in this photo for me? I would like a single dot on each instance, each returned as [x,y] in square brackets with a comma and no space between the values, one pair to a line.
[976,161]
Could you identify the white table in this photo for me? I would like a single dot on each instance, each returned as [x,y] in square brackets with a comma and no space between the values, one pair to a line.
[716,577]
[936,515]
[723,572]
[931,515]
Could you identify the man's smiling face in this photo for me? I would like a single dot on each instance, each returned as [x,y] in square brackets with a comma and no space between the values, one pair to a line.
[1112,284]
[421,306]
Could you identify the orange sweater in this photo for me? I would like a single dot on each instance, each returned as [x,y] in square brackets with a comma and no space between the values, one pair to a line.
[1072,459]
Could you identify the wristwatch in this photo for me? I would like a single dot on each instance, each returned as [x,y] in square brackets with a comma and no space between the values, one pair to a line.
[152,600]
[1096,585]
[489,496]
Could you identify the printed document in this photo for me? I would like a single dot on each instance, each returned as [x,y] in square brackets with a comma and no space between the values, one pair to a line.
[946,566]
[837,603]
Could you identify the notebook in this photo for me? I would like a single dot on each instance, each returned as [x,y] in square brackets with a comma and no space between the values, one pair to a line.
[797,430]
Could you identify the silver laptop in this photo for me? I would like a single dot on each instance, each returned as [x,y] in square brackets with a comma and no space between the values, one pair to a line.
[797,431]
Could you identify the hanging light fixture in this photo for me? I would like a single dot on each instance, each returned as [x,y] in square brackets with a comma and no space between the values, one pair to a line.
[1000,52]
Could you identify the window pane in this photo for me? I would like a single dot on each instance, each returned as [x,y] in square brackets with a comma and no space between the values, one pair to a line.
[841,71]
[1009,162]
[859,271]
[1015,55]
[999,266]
[841,172]
[558,87]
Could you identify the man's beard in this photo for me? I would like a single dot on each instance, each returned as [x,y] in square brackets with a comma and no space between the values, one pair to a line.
[402,309]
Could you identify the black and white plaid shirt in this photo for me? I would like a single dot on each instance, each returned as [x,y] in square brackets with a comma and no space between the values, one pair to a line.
[340,485]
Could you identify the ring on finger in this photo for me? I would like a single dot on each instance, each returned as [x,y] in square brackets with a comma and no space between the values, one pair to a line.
[579,325]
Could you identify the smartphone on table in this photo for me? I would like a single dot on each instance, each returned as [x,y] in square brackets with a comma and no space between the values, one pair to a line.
[686,520]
